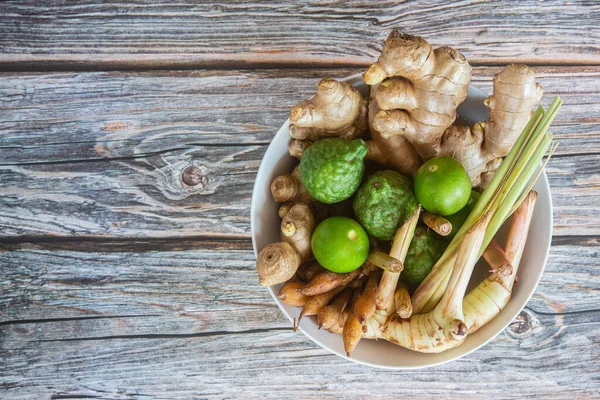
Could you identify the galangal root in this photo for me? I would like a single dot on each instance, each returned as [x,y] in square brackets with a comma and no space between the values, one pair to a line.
[289,187]
[278,262]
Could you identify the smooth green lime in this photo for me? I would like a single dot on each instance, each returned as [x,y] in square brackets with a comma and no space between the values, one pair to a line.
[340,244]
[383,203]
[442,186]
[331,169]
[458,219]
[424,251]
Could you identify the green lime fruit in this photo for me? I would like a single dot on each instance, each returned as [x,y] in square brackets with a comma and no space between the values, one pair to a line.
[331,169]
[424,251]
[458,219]
[442,186]
[383,203]
[340,244]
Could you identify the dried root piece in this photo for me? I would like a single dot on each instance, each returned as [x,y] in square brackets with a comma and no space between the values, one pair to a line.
[277,263]
[365,306]
[290,295]
[297,227]
[352,332]
[316,303]
[402,301]
[359,282]
[337,109]
[444,327]
[289,187]
[486,300]
[313,270]
[332,317]
[439,224]
[326,281]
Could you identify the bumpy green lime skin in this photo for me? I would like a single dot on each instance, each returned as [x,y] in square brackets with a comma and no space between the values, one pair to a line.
[458,219]
[383,203]
[331,169]
[424,251]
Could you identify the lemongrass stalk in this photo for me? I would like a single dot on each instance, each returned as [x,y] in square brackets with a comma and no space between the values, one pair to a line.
[501,172]
[385,261]
[439,224]
[437,294]
[402,301]
[486,300]
[425,298]
[535,178]
[389,280]
[444,327]
[509,174]
[496,258]
[511,197]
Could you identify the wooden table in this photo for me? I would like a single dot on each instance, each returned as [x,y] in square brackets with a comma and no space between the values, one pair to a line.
[130,137]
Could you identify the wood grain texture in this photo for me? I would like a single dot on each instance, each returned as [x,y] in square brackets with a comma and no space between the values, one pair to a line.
[178,324]
[141,34]
[102,154]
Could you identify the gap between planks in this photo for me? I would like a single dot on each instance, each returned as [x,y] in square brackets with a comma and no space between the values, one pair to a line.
[200,242]
[224,64]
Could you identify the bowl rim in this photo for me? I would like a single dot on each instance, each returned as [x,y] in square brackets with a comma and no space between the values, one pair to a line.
[543,179]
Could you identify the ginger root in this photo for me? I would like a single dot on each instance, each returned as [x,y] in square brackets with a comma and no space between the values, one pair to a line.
[415,95]
[419,99]
[297,147]
[480,148]
[337,109]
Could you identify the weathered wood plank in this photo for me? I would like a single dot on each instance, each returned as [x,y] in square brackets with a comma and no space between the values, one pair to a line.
[102,154]
[141,197]
[146,197]
[87,116]
[542,357]
[85,34]
[179,324]
[207,286]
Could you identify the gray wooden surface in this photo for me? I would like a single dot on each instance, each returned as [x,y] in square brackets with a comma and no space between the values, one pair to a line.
[120,281]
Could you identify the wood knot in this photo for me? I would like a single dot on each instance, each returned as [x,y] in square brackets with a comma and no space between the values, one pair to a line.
[523,325]
[193,176]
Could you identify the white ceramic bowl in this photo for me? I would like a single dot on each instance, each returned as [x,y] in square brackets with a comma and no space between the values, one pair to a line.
[265,229]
